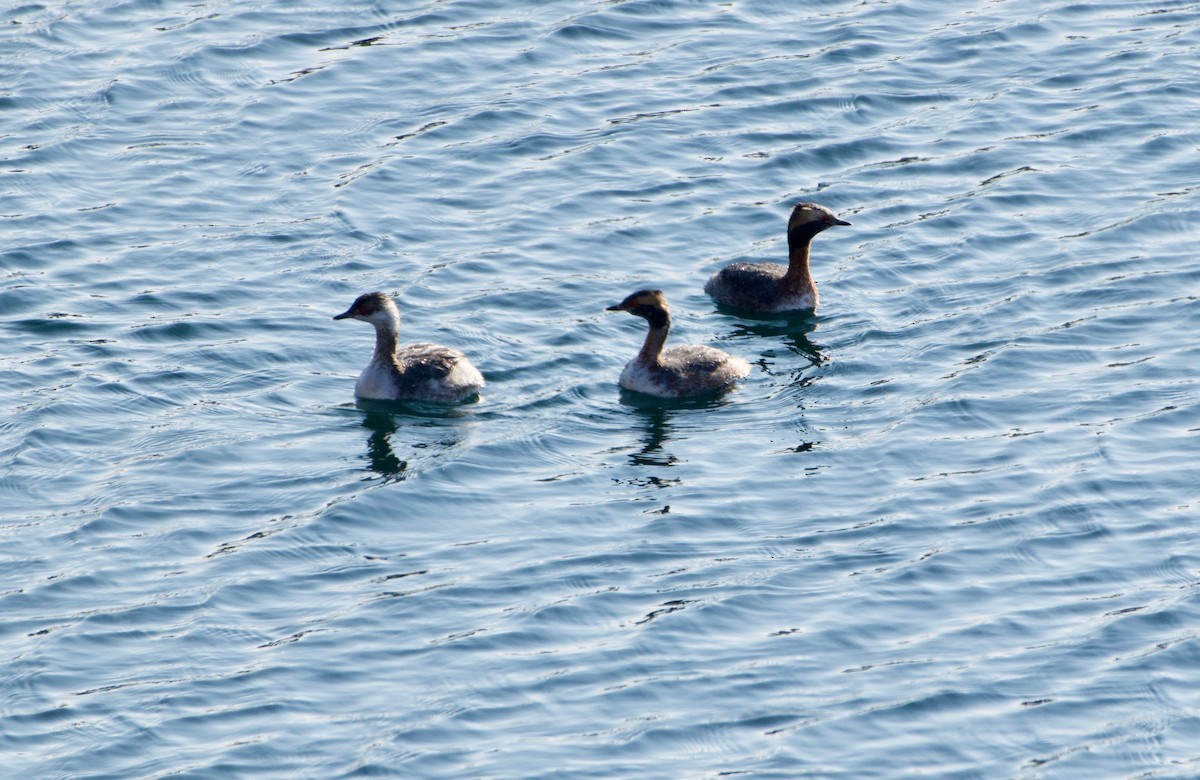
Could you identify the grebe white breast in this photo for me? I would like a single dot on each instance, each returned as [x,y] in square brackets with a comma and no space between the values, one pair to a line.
[412,372]
[771,287]
[679,371]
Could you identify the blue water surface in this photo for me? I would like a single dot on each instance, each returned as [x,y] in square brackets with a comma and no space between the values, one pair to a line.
[947,527]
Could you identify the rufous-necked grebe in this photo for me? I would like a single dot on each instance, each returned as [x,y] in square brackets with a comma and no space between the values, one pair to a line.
[771,287]
[412,372]
[679,371]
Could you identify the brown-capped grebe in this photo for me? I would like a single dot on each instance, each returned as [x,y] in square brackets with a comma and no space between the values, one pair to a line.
[679,371]
[771,287]
[412,372]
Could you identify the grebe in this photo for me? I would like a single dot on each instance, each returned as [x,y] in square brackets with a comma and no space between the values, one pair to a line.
[679,371]
[413,372]
[770,287]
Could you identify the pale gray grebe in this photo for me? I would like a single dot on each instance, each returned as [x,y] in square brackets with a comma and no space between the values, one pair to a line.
[679,371]
[413,372]
[770,287]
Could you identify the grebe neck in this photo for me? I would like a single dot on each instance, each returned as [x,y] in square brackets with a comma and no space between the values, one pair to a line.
[798,280]
[387,335]
[656,337]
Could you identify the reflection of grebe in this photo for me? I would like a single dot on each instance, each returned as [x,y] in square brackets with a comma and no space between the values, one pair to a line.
[771,287]
[384,461]
[679,371]
[413,372]
[792,331]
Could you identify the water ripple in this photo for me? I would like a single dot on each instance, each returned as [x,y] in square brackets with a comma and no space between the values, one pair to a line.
[956,498]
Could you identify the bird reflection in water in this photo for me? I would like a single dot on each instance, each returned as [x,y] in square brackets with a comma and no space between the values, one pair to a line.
[655,419]
[654,423]
[380,454]
[430,431]
[656,428]
[790,331]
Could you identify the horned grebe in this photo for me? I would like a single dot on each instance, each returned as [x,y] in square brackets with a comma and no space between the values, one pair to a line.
[679,371]
[413,372]
[770,287]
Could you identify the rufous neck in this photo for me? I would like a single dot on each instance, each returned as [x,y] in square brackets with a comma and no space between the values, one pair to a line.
[798,279]
[656,337]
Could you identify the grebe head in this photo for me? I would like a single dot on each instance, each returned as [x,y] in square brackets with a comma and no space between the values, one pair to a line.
[376,308]
[649,304]
[812,218]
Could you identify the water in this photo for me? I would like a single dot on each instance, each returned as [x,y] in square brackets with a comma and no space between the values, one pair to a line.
[947,526]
